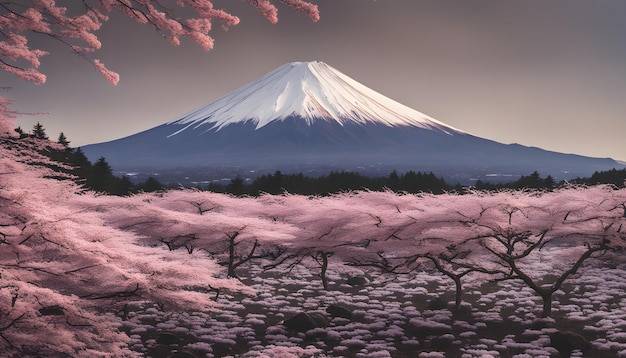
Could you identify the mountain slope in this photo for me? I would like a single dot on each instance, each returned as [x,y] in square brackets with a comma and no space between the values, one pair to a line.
[307,116]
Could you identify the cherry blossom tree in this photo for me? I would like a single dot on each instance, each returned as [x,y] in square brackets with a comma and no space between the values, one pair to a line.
[226,228]
[338,227]
[285,229]
[497,235]
[519,229]
[65,274]
[417,233]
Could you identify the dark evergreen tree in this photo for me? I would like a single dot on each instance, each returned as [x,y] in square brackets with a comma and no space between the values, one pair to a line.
[533,181]
[298,183]
[123,186]
[337,182]
[63,140]
[150,185]
[83,168]
[393,181]
[549,182]
[216,187]
[613,177]
[271,184]
[480,185]
[236,187]
[39,132]
[102,178]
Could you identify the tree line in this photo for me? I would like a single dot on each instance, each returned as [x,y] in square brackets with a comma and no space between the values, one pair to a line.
[409,182]
[615,177]
[334,182]
[99,177]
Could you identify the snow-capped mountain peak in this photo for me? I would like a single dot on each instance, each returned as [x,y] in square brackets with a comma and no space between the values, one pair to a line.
[309,90]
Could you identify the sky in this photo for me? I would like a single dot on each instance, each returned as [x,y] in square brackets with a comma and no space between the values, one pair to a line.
[544,73]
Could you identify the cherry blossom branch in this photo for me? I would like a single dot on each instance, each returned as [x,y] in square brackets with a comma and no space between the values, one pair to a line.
[2,329]
[117,294]
[384,264]
[20,20]
[13,321]
[47,18]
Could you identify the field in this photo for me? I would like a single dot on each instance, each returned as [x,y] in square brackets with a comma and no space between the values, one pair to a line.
[392,316]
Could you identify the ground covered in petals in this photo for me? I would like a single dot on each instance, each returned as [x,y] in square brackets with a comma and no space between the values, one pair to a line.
[391,316]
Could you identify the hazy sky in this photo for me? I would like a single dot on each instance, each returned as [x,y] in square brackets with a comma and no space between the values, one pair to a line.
[545,73]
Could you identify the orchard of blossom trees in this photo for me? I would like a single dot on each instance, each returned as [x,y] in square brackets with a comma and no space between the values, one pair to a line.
[74,261]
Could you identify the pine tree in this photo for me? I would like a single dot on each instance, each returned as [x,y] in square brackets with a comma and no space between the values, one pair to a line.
[102,179]
[63,140]
[393,182]
[549,182]
[151,184]
[82,166]
[39,132]
[236,186]
[123,186]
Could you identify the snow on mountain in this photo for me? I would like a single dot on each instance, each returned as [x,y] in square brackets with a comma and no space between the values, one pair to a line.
[312,91]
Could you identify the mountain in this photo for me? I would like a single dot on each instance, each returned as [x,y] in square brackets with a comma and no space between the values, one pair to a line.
[309,117]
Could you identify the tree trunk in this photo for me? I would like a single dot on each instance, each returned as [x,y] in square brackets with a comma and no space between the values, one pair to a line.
[546,295]
[231,255]
[458,295]
[324,267]
[231,271]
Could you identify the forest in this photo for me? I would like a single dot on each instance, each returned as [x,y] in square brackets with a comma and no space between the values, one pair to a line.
[361,273]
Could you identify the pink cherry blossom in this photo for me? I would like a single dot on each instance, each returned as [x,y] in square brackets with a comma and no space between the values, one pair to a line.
[77,24]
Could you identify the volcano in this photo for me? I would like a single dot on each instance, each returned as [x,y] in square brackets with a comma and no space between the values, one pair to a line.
[309,117]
